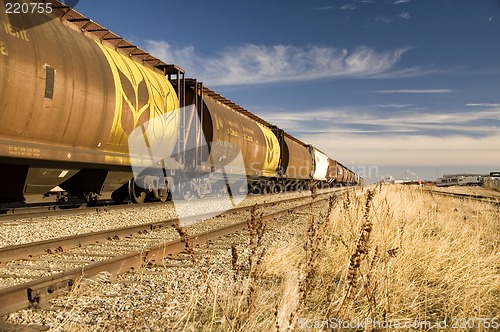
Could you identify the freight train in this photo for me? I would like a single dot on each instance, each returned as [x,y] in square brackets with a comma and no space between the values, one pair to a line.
[72,93]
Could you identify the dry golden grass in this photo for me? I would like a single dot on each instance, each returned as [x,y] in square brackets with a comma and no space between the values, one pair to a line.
[469,190]
[391,253]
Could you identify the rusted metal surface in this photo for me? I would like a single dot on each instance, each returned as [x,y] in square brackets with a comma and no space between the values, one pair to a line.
[22,327]
[229,132]
[27,250]
[332,170]
[296,160]
[71,93]
[20,296]
[78,114]
[341,173]
[24,251]
[86,119]
[237,108]
[351,176]
[90,28]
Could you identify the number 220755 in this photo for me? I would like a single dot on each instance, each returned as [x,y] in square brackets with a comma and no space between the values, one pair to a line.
[28,8]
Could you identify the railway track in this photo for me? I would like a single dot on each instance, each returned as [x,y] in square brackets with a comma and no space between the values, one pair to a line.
[31,228]
[51,209]
[52,267]
[481,198]
[41,210]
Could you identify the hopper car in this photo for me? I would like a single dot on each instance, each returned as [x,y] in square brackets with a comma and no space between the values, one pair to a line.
[72,93]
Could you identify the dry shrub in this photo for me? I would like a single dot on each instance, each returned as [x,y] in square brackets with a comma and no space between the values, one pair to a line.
[415,257]
[390,253]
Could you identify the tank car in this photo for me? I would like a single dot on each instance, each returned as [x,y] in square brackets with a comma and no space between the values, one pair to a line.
[69,101]
[227,130]
[320,166]
[74,95]
[296,165]
[332,172]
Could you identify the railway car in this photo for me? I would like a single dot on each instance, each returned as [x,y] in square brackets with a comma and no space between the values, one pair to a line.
[336,173]
[73,94]
[229,132]
[69,101]
[295,167]
[340,175]
[351,177]
[320,166]
[297,163]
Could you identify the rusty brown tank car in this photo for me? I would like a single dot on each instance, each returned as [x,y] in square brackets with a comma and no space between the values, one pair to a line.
[297,160]
[258,145]
[229,134]
[332,171]
[73,94]
[69,102]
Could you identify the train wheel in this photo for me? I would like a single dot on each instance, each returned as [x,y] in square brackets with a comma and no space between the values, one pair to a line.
[290,186]
[271,187]
[160,194]
[187,191]
[264,188]
[201,194]
[91,198]
[278,187]
[254,188]
[201,191]
[159,191]
[136,193]
[243,189]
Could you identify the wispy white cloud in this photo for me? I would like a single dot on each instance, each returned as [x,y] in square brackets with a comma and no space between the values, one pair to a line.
[390,121]
[405,15]
[349,6]
[483,105]
[326,8]
[397,2]
[396,106]
[416,91]
[399,134]
[417,150]
[400,138]
[256,64]
[383,19]
[410,72]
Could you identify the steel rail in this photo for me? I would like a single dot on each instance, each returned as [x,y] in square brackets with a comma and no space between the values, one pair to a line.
[29,250]
[480,198]
[36,210]
[37,292]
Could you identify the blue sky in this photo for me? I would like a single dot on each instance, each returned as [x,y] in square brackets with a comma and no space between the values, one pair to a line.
[387,87]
